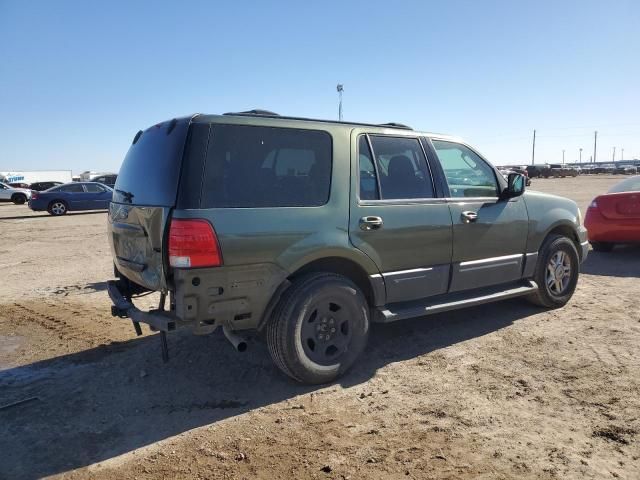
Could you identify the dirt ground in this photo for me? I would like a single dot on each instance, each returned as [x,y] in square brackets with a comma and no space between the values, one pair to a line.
[500,391]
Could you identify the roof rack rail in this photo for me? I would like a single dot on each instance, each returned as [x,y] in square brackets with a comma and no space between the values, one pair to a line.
[396,125]
[255,111]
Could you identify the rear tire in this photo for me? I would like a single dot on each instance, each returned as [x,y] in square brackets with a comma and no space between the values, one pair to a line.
[319,328]
[556,272]
[19,198]
[602,246]
[57,208]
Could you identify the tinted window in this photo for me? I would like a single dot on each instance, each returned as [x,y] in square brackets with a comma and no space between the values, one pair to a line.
[368,180]
[72,188]
[402,168]
[94,188]
[266,167]
[467,174]
[150,171]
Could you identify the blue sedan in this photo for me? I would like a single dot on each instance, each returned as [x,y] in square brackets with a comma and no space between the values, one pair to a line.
[72,197]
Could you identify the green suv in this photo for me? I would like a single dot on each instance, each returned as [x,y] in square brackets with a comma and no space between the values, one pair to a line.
[306,231]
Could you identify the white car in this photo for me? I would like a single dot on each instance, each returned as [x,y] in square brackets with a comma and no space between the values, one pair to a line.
[15,195]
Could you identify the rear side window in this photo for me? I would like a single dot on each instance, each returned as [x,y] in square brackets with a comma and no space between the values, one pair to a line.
[93,188]
[266,167]
[402,168]
[72,188]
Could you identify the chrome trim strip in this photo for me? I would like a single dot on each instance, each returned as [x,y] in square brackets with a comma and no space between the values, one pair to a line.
[492,259]
[585,243]
[493,265]
[402,272]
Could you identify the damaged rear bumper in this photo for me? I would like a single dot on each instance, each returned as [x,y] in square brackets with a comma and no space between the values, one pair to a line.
[158,320]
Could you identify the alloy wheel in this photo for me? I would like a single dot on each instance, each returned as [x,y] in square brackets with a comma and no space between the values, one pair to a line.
[558,273]
[58,208]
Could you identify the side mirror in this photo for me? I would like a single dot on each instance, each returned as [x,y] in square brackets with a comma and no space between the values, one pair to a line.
[515,186]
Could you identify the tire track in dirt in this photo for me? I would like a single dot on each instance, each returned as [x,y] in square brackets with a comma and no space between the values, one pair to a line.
[54,319]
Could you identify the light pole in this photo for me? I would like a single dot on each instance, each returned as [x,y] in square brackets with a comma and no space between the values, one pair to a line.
[340,89]
[533,149]
[580,155]
[595,145]
[613,156]
[621,154]
[562,156]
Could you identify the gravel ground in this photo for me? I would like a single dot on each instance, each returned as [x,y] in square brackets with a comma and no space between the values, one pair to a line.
[499,391]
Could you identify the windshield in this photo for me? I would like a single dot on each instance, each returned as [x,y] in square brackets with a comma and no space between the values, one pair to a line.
[629,185]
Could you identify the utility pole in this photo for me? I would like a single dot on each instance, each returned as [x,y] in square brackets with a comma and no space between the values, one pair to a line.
[562,156]
[581,155]
[533,151]
[340,89]
[595,144]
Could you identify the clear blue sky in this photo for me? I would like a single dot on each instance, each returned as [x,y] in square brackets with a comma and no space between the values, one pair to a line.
[78,78]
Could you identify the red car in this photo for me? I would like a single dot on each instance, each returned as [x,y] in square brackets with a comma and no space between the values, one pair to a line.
[615,216]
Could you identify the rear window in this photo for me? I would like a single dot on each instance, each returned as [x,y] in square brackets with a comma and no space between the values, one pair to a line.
[150,170]
[266,167]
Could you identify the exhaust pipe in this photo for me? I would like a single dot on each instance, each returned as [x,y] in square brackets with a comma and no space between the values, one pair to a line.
[238,342]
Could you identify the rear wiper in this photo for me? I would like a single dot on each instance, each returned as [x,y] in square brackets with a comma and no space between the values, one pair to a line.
[128,196]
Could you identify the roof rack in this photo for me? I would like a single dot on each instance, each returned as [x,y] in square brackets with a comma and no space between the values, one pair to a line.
[266,113]
[255,111]
[396,125]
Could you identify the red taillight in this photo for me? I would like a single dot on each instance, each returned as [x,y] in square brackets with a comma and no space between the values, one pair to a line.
[34,195]
[193,243]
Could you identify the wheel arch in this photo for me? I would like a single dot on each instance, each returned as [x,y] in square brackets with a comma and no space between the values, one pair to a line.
[564,229]
[372,286]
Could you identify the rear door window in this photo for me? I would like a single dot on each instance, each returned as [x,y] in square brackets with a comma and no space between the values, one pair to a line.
[402,168]
[368,179]
[250,166]
[94,188]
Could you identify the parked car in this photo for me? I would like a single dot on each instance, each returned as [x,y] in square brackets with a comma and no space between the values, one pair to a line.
[557,170]
[262,223]
[73,196]
[109,180]
[534,170]
[625,170]
[615,216]
[14,194]
[42,186]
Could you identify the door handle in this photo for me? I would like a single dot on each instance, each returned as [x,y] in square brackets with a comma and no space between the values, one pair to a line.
[469,216]
[371,223]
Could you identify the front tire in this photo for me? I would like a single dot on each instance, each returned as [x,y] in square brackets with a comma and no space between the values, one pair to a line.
[57,208]
[556,273]
[319,328]
[601,246]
